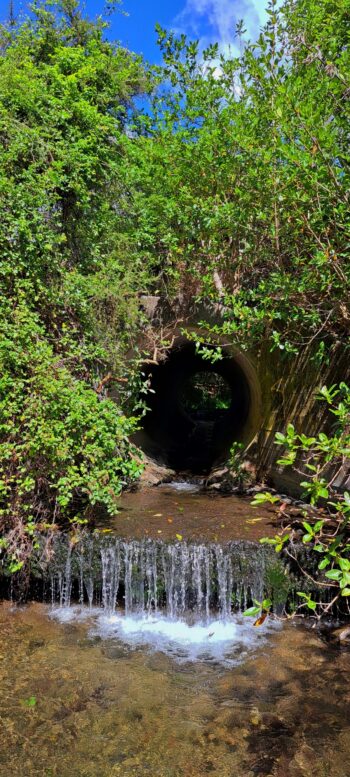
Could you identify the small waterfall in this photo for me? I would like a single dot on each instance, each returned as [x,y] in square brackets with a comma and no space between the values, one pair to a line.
[142,576]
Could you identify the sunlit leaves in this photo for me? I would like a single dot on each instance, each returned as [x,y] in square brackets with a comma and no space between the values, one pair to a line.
[327,536]
[262,497]
[250,179]
[69,273]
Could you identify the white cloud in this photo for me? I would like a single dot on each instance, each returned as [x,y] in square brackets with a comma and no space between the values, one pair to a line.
[221,16]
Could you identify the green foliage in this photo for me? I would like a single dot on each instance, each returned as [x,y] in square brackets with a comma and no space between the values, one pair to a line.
[323,460]
[259,608]
[240,473]
[243,198]
[208,354]
[309,602]
[262,497]
[30,703]
[277,582]
[69,272]
[62,447]
[278,541]
[206,392]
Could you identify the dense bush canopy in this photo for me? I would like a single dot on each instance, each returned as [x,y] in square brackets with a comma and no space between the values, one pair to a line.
[232,188]
[246,177]
[69,277]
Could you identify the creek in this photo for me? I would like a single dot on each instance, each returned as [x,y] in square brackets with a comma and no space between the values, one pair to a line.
[136,658]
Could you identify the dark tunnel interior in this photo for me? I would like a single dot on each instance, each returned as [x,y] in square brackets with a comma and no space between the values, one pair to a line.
[196,410]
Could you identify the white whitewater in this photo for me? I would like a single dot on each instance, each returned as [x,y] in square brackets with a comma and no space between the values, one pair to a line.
[226,641]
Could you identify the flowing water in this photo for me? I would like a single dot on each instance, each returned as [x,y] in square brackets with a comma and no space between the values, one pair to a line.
[181,508]
[147,576]
[139,661]
[79,702]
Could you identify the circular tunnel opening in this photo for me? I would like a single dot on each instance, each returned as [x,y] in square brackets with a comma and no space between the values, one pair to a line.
[196,409]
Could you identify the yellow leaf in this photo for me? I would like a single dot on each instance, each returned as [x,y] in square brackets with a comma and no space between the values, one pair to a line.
[255,719]
[178,536]
[260,621]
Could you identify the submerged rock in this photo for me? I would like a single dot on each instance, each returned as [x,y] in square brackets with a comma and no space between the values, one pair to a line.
[342,635]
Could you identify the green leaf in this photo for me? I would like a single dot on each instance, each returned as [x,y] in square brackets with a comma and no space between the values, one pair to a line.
[252,611]
[308,538]
[287,460]
[280,438]
[324,563]
[31,702]
[318,526]
[323,492]
[311,604]
[334,574]
[308,527]
[263,497]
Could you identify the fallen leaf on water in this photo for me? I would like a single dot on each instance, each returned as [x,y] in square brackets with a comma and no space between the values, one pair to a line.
[170,520]
[159,531]
[157,515]
[253,520]
[260,621]
[178,536]
[211,634]
[255,719]
[222,525]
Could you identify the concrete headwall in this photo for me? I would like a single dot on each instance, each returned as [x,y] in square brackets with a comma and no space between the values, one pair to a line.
[282,390]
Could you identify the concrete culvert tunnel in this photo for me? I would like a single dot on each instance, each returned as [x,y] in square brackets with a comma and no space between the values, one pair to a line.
[197,409]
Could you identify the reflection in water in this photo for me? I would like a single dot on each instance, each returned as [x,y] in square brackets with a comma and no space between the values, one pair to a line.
[178,508]
[75,705]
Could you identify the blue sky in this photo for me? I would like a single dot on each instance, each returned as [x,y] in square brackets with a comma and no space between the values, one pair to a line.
[208,20]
